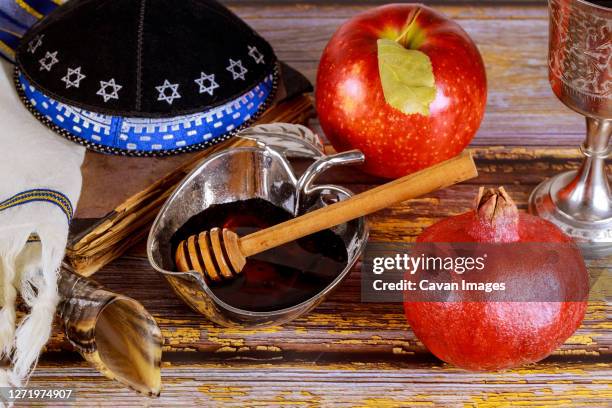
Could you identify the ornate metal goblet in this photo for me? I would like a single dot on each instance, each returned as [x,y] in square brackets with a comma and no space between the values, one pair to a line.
[580,73]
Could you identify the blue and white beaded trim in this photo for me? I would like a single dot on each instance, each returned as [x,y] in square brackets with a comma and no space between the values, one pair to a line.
[144,136]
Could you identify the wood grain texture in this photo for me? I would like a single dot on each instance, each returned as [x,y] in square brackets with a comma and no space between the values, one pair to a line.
[354,354]
[521,110]
[336,3]
[343,324]
[380,385]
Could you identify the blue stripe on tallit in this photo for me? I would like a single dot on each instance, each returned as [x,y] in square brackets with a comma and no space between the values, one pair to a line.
[8,23]
[9,39]
[150,135]
[15,19]
[17,13]
[8,43]
[44,7]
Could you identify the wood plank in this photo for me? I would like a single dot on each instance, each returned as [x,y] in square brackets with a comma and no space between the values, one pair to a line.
[343,324]
[343,3]
[482,10]
[345,352]
[522,109]
[345,385]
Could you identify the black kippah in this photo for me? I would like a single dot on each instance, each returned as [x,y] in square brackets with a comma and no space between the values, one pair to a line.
[185,61]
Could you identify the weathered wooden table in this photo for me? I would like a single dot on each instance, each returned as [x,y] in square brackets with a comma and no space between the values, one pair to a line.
[355,354]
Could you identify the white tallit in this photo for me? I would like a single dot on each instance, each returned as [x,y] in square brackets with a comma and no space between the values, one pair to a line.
[35,165]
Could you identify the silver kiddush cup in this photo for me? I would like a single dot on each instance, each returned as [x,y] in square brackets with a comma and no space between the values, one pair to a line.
[580,73]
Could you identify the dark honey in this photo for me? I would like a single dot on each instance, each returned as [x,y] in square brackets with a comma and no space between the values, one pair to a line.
[276,279]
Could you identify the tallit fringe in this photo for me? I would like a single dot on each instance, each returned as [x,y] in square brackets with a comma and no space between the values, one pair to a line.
[11,246]
[4,382]
[31,268]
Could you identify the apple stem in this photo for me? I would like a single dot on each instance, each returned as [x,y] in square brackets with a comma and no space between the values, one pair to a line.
[406,37]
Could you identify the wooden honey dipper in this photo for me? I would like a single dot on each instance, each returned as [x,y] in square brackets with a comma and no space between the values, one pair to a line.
[221,254]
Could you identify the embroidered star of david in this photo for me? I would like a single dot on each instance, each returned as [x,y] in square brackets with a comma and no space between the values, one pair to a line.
[237,70]
[256,55]
[104,90]
[48,61]
[35,43]
[73,78]
[164,95]
[207,83]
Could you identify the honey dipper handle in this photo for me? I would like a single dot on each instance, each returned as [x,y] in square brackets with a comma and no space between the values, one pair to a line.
[442,175]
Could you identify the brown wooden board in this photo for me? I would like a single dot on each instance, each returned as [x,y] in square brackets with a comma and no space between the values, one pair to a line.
[513,40]
[321,384]
[353,354]
[344,324]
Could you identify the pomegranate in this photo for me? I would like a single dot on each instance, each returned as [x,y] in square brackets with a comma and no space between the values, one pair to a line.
[494,335]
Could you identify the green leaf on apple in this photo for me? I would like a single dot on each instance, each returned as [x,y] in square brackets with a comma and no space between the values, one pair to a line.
[407,77]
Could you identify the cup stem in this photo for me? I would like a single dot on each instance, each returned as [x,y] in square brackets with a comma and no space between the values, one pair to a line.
[587,197]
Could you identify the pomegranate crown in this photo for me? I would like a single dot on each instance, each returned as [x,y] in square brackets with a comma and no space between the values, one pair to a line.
[497,216]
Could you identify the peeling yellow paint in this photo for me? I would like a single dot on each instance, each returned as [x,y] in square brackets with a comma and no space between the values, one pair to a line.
[400,350]
[224,392]
[543,397]
[392,403]
[343,332]
[582,339]
[268,348]
[226,349]
[571,352]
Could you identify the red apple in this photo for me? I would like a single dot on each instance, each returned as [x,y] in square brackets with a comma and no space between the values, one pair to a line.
[434,98]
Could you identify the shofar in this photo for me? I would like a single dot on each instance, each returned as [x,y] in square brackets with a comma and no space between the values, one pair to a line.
[112,332]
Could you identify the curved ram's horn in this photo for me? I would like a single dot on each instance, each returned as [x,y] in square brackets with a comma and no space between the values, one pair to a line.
[112,332]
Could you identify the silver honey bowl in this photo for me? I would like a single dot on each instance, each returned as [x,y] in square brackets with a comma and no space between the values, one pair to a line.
[262,171]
